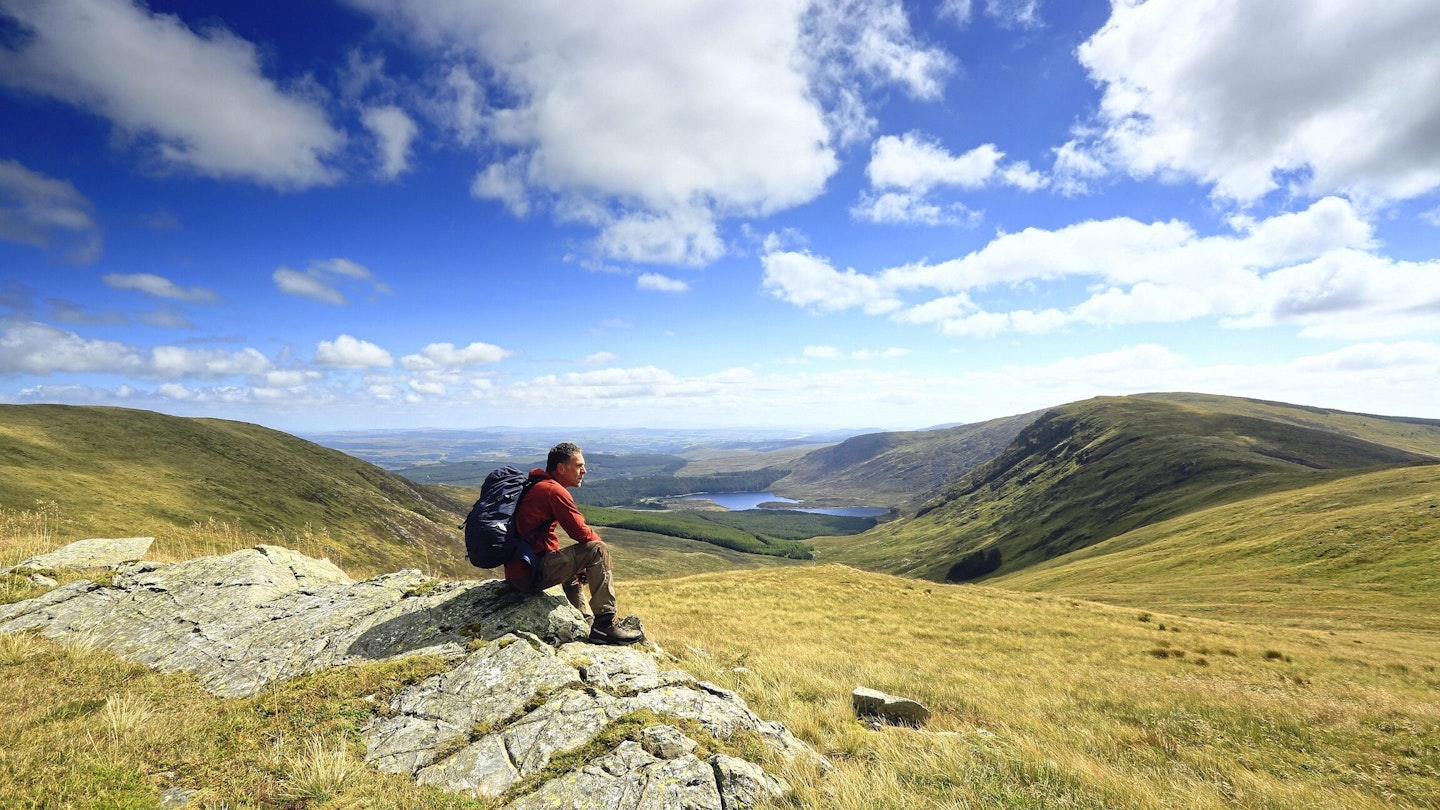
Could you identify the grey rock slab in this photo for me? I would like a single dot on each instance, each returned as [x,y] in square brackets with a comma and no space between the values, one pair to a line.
[897,710]
[34,614]
[490,686]
[568,720]
[722,713]
[667,742]
[743,784]
[629,778]
[622,669]
[483,767]
[96,552]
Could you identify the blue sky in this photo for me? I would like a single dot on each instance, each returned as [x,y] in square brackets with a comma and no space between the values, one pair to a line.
[702,213]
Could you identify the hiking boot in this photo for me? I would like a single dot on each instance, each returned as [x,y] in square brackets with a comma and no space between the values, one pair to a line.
[614,633]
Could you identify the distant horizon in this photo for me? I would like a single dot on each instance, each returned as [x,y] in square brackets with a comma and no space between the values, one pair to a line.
[561,431]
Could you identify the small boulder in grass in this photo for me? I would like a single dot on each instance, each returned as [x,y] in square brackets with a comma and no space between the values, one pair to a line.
[97,552]
[897,711]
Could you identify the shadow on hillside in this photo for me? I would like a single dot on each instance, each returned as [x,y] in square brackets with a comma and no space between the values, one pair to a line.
[456,613]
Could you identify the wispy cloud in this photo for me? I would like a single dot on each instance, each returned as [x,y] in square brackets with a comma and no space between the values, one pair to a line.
[46,213]
[394,132]
[657,282]
[321,280]
[159,287]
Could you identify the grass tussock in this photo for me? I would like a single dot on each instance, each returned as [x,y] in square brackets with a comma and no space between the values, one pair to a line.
[1050,702]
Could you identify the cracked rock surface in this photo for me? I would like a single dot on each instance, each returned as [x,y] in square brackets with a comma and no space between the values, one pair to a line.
[523,689]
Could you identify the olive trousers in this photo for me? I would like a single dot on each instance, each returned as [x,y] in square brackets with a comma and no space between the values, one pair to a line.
[563,568]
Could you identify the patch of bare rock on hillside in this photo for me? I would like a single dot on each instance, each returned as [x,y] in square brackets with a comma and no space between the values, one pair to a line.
[523,686]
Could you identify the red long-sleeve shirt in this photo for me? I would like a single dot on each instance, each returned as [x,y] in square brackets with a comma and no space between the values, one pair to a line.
[546,502]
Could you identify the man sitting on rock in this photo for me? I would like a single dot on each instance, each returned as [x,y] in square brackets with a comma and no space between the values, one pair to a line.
[587,561]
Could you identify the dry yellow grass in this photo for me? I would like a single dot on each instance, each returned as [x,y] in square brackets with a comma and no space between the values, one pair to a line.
[1048,702]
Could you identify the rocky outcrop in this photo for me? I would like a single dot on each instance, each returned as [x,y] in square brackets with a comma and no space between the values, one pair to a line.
[522,690]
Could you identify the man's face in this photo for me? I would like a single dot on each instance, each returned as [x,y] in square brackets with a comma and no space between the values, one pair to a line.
[571,473]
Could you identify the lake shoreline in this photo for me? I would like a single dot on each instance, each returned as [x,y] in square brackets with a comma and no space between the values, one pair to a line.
[743,501]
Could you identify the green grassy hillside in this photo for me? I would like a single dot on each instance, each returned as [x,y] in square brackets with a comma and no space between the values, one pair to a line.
[1096,469]
[1359,552]
[121,472]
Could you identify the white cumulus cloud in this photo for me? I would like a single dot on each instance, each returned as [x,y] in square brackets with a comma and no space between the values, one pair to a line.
[201,99]
[905,170]
[346,351]
[1254,95]
[657,282]
[37,348]
[176,362]
[445,355]
[654,121]
[806,280]
[1315,270]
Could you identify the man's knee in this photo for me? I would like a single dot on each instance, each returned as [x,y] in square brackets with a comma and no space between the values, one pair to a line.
[596,552]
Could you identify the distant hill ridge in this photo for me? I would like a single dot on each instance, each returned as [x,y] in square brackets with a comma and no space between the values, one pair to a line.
[899,468]
[1091,470]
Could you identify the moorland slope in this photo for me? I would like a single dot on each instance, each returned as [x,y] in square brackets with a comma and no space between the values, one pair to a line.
[1089,471]
[1362,551]
[128,472]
